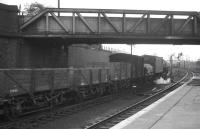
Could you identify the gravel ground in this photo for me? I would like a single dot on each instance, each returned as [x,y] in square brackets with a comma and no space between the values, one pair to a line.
[88,116]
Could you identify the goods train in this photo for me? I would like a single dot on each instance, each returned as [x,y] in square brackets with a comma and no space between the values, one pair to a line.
[91,73]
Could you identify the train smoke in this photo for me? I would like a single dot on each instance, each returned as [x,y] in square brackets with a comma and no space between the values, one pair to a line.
[162,81]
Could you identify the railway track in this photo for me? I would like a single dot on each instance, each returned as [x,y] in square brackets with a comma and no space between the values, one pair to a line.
[114,119]
[34,121]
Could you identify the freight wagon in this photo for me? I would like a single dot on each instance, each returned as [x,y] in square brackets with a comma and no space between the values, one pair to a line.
[136,62]
[59,55]
[23,90]
[91,73]
[84,56]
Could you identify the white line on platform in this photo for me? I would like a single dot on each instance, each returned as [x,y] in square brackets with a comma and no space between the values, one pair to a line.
[129,120]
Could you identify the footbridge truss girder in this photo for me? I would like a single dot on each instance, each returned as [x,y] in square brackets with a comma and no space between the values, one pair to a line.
[111,25]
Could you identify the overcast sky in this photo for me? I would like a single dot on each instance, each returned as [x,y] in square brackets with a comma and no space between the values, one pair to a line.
[178,5]
[192,52]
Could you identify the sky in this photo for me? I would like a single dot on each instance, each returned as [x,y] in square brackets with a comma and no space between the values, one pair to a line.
[189,52]
[175,5]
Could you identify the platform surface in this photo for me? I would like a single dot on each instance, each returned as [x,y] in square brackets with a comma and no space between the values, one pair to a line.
[177,110]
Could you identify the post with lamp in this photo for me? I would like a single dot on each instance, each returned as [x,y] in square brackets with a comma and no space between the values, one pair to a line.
[171,65]
[58,7]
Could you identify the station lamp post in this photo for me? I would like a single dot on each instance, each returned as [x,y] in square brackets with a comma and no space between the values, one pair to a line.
[132,45]
[131,48]
[171,65]
[58,7]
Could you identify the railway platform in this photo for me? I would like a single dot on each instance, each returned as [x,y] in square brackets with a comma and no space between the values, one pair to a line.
[179,109]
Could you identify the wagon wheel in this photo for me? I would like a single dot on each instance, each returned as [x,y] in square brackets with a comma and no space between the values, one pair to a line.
[12,111]
[59,99]
[108,89]
[75,97]
[7,112]
[101,90]
[56,101]
[17,110]
[93,91]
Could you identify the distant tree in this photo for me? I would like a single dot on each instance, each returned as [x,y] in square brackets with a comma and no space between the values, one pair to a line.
[33,8]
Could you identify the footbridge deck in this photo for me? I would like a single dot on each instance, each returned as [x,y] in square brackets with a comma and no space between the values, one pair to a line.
[110,25]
